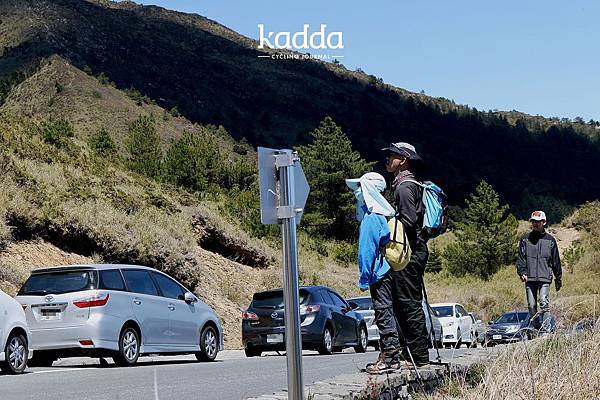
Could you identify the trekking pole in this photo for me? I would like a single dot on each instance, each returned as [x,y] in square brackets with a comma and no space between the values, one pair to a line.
[432,333]
[412,360]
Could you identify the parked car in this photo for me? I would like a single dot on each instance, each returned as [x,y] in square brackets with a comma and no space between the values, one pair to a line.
[438,330]
[365,304]
[122,311]
[365,308]
[15,337]
[479,329]
[328,322]
[514,326]
[456,323]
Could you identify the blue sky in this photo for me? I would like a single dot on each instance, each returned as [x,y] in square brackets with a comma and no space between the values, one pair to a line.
[539,57]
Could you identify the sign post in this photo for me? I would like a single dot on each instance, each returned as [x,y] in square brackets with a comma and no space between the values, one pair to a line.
[283,194]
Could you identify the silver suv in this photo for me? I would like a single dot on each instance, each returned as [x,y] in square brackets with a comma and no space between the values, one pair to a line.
[121,311]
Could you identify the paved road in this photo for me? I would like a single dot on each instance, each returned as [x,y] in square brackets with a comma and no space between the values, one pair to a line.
[232,376]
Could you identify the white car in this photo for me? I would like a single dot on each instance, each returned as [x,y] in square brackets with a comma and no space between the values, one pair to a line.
[118,311]
[365,308]
[456,323]
[14,336]
[479,328]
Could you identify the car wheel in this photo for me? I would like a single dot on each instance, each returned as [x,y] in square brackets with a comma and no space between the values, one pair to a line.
[209,344]
[326,342]
[129,347]
[252,352]
[16,352]
[363,340]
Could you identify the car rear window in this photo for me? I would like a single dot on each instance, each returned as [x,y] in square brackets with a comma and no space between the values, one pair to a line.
[443,311]
[274,299]
[58,283]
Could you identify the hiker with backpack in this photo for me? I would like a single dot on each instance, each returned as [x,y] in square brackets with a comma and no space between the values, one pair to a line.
[412,212]
[375,273]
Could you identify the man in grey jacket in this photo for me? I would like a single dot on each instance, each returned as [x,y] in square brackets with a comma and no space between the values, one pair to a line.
[538,261]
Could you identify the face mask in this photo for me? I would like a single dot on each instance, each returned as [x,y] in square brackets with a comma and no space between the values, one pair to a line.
[360,204]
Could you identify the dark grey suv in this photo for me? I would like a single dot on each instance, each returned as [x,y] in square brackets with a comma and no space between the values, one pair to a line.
[328,322]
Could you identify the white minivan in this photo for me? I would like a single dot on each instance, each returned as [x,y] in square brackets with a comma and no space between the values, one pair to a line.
[14,336]
[456,323]
[118,311]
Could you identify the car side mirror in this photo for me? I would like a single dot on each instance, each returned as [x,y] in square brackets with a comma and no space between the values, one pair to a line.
[189,298]
[353,306]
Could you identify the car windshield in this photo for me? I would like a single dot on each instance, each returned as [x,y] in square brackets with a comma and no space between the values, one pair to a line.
[512,318]
[274,299]
[444,311]
[364,303]
[58,283]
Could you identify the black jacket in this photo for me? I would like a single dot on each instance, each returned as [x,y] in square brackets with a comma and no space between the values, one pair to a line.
[408,199]
[538,257]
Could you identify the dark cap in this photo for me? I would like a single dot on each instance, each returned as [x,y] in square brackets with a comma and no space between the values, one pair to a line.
[404,149]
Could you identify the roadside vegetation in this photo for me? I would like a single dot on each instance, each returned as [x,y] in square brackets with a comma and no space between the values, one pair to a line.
[557,367]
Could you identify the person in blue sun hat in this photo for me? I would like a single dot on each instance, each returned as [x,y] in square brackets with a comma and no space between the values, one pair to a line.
[375,273]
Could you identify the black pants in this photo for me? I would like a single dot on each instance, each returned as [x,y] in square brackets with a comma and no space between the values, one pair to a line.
[408,306]
[382,294]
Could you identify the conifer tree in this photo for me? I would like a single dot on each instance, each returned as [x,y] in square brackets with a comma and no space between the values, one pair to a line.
[143,146]
[327,161]
[486,239]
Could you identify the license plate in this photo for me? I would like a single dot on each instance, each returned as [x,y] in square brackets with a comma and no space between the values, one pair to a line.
[275,338]
[497,337]
[50,315]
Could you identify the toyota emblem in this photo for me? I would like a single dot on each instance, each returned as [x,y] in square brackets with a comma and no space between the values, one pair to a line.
[274,315]
[49,298]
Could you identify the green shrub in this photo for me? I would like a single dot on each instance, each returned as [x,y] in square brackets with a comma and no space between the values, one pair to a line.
[143,147]
[193,161]
[572,255]
[103,144]
[244,207]
[57,132]
[345,253]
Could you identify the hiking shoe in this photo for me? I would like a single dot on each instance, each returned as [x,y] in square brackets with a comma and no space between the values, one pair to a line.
[380,358]
[383,366]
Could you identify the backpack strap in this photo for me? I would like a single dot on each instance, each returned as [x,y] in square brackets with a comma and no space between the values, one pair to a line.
[413,181]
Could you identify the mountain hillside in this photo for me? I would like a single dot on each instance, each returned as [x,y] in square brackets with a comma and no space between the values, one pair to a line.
[213,76]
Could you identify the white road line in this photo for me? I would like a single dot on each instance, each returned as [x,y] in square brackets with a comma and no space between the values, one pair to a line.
[57,370]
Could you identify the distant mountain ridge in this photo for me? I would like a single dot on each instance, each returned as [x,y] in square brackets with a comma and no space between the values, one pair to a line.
[213,75]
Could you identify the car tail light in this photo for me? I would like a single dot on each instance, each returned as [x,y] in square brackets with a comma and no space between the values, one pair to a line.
[86,342]
[249,316]
[98,300]
[315,308]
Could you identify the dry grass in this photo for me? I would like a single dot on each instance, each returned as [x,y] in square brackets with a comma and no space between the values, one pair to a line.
[560,366]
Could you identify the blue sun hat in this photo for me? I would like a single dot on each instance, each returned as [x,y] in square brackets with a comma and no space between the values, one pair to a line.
[367,189]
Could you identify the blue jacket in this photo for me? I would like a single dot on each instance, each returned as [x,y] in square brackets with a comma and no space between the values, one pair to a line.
[374,233]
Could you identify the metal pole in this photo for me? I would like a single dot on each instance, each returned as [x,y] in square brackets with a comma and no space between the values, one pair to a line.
[293,343]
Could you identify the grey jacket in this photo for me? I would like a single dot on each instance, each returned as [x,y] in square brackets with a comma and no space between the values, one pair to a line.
[539,258]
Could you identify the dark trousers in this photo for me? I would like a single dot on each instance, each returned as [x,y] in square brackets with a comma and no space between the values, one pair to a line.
[383,304]
[408,306]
